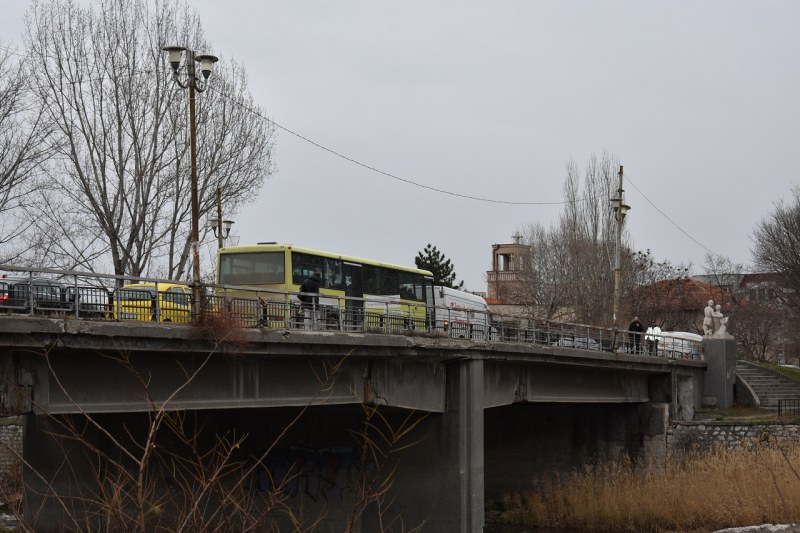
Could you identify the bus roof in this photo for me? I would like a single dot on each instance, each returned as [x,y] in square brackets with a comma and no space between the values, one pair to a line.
[274,247]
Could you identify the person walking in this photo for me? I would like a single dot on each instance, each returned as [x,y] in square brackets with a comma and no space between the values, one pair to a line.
[309,298]
[651,337]
[636,328]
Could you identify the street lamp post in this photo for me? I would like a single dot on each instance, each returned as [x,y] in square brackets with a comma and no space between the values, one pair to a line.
[191,82]
[620,210]
[221,228]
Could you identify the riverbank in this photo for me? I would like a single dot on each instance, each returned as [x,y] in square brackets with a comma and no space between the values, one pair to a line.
[754,483]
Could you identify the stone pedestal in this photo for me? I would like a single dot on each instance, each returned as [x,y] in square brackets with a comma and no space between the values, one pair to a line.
[720,376]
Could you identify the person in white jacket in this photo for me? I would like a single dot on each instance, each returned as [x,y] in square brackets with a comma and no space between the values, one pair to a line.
[652,336]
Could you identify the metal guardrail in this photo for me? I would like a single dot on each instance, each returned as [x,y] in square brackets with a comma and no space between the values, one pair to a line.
[91,296]
[789,407]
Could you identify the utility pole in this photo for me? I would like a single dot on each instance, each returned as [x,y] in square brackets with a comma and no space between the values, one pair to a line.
[620,210]
[219,219]
[221,228]
[193,83]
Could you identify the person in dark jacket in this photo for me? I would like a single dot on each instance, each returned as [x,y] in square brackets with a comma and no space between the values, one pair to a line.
[309,297]
[636,328]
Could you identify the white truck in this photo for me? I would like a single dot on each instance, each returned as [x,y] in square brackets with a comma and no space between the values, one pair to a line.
[462,315]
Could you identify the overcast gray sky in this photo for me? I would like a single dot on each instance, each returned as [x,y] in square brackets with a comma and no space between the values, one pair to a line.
[700,101]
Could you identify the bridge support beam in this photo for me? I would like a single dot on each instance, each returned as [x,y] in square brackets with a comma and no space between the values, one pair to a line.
[463,434]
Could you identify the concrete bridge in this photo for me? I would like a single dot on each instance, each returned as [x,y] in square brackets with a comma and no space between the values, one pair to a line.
[483,418]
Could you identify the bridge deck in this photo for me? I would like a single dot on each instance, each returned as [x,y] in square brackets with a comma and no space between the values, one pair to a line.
[134,366]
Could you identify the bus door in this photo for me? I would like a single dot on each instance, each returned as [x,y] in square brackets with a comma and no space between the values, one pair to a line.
[430,303]
[354,309]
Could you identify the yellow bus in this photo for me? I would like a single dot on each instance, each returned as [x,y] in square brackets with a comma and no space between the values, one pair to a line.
[354,292]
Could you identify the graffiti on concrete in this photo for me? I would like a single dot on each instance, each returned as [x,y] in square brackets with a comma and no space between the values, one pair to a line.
[319,473]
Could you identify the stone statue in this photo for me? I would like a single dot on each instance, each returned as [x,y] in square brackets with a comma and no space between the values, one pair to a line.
[716,318]
[708,319]
[720,323]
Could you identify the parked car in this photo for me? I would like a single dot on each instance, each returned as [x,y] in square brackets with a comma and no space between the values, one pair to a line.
[587,343]
[21,294]
[583,343]
[680,345]
[158,302]
[92,302]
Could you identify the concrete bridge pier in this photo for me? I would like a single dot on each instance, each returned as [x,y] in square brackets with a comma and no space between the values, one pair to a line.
[463,432]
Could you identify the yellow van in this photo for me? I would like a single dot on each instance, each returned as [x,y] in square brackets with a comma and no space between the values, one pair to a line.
[138,301]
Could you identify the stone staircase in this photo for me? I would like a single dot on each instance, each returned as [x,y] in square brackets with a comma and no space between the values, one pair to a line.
[768,385]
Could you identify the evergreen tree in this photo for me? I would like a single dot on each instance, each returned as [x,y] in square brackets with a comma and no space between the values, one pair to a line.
[435,261]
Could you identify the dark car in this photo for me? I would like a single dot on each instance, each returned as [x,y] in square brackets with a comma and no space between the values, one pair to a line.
[92,302]
[22,293]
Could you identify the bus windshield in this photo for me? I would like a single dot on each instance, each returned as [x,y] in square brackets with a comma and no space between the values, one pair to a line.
[255,268]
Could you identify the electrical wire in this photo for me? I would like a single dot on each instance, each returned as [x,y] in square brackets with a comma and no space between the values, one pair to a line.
[701,245]
[330,150]
[375,169]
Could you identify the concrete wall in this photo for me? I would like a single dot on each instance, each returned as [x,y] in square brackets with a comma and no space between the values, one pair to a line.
[690,436]
[10,443]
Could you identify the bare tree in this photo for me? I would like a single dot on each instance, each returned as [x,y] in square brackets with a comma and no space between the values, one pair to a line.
[542,288]
[659,290]
[726,276]
[776,241]
[120,179]
[22,150]
[776,249]
[570,271]
[569,275]
[760,332]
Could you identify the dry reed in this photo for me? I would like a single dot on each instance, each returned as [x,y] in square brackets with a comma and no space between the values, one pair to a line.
[702,492]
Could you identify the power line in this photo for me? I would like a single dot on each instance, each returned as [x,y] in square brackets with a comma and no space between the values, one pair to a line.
[701,245]
[325,148]
[377,170]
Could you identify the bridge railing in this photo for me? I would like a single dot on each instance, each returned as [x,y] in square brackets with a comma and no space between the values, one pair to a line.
[48,292]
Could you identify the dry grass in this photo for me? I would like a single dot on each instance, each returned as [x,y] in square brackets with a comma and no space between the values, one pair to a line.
[222,328]
[720,489]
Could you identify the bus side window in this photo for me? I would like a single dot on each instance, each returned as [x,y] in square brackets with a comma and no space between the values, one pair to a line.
[303,266]
[390,284]
[371,281]
[406,292]
[411,286]
[332,277]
